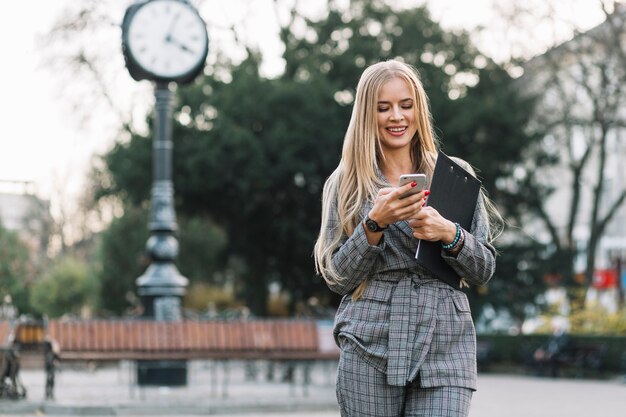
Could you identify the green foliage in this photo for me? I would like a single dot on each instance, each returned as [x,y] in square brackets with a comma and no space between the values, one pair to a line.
[594,321]
[476,106]
[64,289]
[597,321]
[517,280]
[258,172]
[202,245]
[253,153]
[16,270]
[123,257]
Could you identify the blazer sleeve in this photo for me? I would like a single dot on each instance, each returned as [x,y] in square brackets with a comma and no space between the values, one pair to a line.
[354,258]
[476,262]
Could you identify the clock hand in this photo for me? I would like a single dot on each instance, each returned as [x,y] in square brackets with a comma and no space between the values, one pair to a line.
[172,26]
[179,44]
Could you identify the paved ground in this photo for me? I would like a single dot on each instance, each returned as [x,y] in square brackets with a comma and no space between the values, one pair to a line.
[109,391]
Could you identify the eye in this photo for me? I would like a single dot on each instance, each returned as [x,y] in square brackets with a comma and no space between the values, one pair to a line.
[382,109]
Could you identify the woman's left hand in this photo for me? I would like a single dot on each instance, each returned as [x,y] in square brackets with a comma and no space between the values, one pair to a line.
[430,225]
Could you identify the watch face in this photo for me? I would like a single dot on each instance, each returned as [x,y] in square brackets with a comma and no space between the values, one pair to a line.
[372,225]
[167,38]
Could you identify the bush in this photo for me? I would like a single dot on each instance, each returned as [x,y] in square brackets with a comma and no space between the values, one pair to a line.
[66,288]
[16,270]
[598,322]
[200,295]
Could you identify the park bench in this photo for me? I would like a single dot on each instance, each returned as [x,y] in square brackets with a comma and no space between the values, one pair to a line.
[291,342]
[586,359]
[583,359]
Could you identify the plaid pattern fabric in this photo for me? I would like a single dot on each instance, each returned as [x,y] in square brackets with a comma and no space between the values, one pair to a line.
[362,391]
[407,321]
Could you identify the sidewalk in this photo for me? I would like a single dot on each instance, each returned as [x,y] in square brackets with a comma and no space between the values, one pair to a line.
[108,391]
[526,396]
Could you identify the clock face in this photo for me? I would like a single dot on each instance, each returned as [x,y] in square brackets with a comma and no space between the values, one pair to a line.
[167,39]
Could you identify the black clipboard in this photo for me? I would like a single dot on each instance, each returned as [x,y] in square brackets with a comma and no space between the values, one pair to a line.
[453,193]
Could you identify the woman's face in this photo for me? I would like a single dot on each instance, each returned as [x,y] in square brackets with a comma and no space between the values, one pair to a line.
[396,115]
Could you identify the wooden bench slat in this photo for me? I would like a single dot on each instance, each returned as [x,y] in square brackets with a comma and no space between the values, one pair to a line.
[132,339]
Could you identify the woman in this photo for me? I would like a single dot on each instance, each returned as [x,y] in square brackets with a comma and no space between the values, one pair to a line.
[408,345]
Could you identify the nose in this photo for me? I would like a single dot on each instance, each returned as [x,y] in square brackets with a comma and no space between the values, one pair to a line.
[396,114]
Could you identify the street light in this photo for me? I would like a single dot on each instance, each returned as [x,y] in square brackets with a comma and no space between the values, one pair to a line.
[164,41]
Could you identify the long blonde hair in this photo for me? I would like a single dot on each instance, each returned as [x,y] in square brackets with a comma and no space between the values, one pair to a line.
[355,180]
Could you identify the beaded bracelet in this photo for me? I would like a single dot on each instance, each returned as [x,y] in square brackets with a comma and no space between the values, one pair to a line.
[456,238]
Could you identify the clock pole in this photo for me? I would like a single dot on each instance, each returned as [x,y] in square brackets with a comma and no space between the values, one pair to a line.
[162,287]
[164,41]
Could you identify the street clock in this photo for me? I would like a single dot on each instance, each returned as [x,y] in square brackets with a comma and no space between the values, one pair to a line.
[164,41]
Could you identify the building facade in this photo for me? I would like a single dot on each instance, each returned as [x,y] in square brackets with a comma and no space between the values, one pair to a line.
[23,212]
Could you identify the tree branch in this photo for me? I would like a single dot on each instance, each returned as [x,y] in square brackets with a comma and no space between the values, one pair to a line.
[126,121]
[601,225]
[538,204]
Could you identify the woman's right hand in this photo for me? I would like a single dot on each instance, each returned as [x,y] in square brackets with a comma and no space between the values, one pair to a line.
[389,207]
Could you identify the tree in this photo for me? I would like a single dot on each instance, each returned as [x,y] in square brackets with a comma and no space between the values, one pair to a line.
[253,153]
[581,121]
[122,258]
[252,171]
[476,106]
[16,270]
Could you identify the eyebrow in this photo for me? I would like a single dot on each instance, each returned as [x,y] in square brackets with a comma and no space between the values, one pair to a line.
[401,101]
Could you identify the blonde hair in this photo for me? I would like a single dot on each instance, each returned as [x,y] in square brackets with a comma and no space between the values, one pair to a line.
[355,180]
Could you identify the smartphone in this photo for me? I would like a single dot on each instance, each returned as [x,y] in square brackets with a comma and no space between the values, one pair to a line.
[420,179]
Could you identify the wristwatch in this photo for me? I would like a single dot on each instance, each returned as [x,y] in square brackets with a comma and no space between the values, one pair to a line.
[372,226]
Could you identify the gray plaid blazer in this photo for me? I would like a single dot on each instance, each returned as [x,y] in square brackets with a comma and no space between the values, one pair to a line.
[408,324]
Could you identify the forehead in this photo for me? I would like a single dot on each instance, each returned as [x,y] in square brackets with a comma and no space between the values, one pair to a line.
[395,89]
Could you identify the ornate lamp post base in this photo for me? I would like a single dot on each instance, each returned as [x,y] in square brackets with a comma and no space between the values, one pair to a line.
[161,289]
[162,373]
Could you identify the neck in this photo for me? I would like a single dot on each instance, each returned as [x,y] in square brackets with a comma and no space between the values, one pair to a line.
[394,165]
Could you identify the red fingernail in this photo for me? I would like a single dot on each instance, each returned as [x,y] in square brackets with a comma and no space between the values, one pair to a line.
[413,184]
[427,192]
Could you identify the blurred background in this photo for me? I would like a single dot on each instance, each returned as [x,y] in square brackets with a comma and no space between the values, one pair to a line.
[533,95]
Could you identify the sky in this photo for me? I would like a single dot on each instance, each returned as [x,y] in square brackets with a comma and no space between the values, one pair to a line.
[32,145]
[43,140]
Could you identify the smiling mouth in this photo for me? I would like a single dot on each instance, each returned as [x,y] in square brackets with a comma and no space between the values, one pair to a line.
[397,130]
